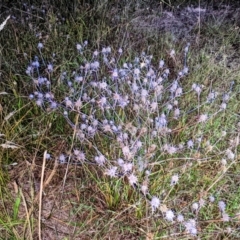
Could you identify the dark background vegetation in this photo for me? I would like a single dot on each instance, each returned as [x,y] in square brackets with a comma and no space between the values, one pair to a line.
[71,8]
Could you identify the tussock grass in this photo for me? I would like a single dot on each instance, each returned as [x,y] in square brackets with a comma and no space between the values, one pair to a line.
[79,198]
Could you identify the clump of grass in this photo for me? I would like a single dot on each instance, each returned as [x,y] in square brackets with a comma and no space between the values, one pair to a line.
[149,132]
[123,156]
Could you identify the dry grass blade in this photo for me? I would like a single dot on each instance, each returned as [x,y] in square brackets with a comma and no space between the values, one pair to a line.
[4,23]
[9,145]
[28,221]
[40,196]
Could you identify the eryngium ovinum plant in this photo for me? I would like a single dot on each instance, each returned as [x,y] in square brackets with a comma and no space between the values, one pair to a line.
[131,113]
